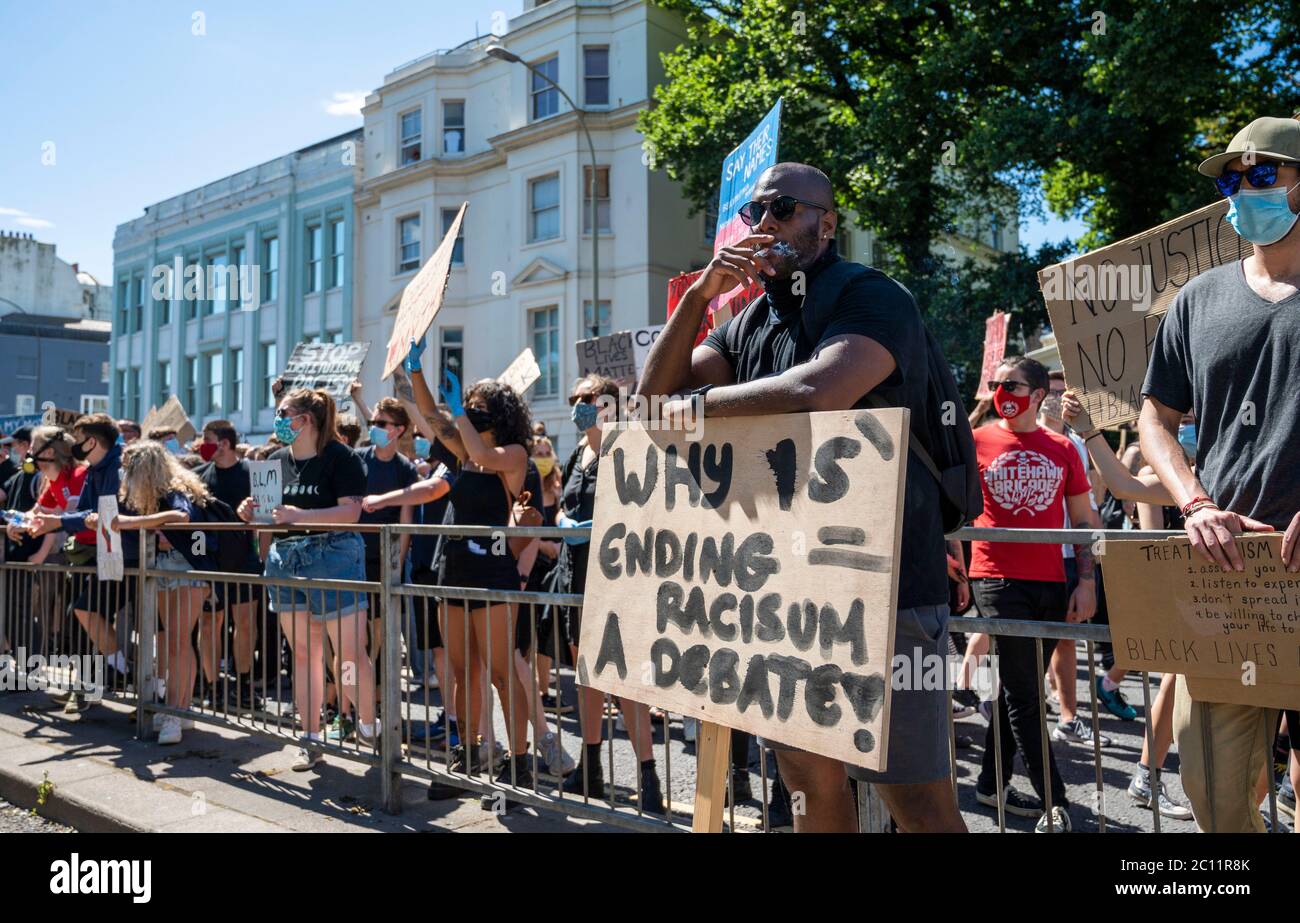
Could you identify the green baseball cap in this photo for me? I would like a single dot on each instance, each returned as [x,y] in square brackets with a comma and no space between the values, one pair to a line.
[1267,138]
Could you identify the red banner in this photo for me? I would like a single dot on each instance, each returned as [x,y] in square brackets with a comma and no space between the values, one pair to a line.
[678,285]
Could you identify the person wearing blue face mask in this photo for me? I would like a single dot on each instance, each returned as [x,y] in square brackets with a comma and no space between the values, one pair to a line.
[324,482]
[1224,352]
[387,470]
[593,402]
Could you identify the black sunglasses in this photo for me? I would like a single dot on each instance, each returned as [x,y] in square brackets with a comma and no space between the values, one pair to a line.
[382,423]
[585,398]
[1010,385]
[1261,176]
[783,206]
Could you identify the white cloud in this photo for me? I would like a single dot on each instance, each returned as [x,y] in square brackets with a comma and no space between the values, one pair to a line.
[24,219]
[346,103]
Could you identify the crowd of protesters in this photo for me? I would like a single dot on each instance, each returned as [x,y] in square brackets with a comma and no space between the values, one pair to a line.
[827,334]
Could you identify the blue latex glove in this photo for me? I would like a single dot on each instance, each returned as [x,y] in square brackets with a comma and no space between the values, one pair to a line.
[567,523]
[450,393]
[412,361]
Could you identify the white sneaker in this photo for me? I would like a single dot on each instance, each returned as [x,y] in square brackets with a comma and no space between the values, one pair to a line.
[1060,821]
[186,723]
[170,730]
[558,761]
[306,759]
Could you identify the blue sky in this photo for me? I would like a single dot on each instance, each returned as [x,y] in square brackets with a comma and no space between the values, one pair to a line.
[138,108]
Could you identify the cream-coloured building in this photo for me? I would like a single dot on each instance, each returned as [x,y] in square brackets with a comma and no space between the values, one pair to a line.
[459,126]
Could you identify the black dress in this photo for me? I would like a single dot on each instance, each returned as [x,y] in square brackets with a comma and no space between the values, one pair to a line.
[478,498]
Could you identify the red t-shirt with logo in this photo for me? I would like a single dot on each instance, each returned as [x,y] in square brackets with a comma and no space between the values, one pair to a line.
[62,495]
[1025,477]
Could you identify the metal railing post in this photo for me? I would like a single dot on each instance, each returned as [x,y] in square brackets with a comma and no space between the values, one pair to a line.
[146,633]
[390,609]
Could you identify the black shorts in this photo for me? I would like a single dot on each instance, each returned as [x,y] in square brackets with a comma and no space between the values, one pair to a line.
[472,563]
[425,611]
[107,597]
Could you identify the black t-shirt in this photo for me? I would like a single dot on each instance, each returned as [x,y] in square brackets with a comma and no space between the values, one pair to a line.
[1232,357]
[20,494]
[231,485]
[871,305]
[7,470]
[382,476]
[323,480]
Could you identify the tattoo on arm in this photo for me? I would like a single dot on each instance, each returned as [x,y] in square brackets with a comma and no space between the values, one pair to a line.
[1084,563]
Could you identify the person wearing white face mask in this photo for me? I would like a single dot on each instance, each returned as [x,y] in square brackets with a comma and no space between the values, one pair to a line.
[1224,350]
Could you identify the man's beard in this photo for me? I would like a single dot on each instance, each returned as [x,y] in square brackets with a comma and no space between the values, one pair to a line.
[789,258]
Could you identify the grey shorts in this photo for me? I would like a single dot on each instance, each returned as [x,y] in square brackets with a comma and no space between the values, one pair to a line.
[918,717]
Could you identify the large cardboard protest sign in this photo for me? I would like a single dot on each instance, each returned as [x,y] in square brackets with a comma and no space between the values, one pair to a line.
[170,416]
[522,373]
[738,578]
[331,366]
[1106,306]
[267,482]
[1172,612]
[108,544]
[995,350]
[422,297]
[620,356]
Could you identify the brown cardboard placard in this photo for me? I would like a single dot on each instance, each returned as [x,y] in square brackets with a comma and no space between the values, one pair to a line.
[171,416]
[1105,306]
[736,577]
[422,297]
[61,417]
[1171,612]
[522,373]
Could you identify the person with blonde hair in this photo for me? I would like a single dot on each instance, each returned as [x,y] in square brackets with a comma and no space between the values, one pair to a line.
[324,482]
[158,491]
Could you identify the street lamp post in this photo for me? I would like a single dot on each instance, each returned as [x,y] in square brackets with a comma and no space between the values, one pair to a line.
[500,52]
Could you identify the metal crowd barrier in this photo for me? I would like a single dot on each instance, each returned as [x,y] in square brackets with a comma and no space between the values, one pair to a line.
[36,617]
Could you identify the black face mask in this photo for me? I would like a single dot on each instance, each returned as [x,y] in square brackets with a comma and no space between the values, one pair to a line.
[79,452]
[481,420]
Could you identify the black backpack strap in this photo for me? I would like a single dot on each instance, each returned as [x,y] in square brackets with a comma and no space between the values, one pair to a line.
[876,401]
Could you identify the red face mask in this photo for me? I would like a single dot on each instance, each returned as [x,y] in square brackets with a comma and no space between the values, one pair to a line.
[1007,405]
[207,450]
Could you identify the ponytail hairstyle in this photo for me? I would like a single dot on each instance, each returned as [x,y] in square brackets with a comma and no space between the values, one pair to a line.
[318,403]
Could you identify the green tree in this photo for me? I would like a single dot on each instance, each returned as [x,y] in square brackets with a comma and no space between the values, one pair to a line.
[930,117]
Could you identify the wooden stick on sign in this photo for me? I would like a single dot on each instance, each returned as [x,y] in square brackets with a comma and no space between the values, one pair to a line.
[712,761]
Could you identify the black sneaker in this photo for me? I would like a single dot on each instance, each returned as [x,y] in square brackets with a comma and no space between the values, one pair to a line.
[522,779]
[1017,803]
[594,776]
[463,762]
[740,787]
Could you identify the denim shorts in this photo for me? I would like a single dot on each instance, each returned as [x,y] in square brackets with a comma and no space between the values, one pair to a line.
[172,560]
[324,556]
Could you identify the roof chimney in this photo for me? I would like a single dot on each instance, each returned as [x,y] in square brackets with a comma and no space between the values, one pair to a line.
[75,268]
